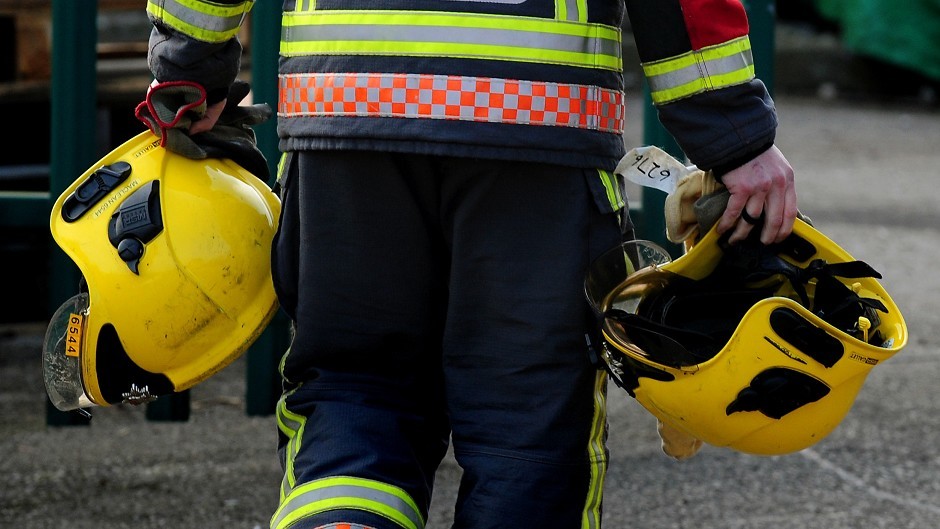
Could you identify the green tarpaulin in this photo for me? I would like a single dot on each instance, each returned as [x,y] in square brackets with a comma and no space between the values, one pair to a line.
[902,32]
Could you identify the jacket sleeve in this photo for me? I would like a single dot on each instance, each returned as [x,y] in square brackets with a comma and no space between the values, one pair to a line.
[697,60]
[197,41]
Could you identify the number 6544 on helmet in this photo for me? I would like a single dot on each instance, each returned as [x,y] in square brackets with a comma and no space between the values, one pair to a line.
[762,349]
[175,259]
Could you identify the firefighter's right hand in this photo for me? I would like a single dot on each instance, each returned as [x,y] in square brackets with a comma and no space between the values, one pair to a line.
[762,193]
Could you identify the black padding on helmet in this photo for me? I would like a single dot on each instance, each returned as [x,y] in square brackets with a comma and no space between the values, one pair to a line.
[839,305]
[666,345]
[795,247]
[708,310]
[808,338]
[135,223]
[627,372]
[93,189]
[778,391]
[832,301]
[118,374]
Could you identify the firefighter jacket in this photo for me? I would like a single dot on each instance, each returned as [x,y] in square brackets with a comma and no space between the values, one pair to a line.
[530,80]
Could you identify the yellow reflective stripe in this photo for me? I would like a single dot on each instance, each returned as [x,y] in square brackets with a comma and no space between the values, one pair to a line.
[726,64]
[612,186]
[582,10]
[292,425]
[208,22]
[591,517]
[281,166]
[344,492]
[571,10]
[463,35]
[440,19]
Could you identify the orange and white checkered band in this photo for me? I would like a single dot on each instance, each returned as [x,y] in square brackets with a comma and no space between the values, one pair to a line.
[454,97]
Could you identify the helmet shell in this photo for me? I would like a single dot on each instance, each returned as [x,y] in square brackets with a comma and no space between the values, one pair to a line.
[782,382]
[176,254]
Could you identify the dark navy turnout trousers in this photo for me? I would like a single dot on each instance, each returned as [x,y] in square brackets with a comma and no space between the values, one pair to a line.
[434,297]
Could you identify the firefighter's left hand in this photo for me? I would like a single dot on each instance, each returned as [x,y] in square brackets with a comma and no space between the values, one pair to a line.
[209,119]
[178,114]
[762,194]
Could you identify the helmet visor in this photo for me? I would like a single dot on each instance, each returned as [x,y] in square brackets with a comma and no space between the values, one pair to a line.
[61,360]
[609,271]
[628,281]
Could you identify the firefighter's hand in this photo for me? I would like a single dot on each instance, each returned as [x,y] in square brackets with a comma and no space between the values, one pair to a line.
[676,444]
[169,109]
[762,194]
[209,119]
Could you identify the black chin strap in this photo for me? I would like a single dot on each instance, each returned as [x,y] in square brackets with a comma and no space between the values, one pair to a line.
[689,321]
[833,301]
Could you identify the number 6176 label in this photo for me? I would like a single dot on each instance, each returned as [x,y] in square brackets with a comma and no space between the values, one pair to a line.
[73,335]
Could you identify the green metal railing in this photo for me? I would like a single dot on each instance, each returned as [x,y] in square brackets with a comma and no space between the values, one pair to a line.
[74,102]
[73,98]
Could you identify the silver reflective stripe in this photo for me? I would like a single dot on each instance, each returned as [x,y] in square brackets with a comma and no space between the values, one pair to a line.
[331,33]
[492,1]
[434,34]
[291,425]
[571,9]
[338,493]
[200,20]
[716,67]
[701,70]
[591,518]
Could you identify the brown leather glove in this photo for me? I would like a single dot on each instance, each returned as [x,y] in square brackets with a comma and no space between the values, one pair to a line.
[682,220]
[677,444]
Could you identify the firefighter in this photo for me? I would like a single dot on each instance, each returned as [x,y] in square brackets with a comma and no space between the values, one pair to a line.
[446,179]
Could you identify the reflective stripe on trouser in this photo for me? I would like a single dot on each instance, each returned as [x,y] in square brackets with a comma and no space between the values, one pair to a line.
[451,97]
[333,493]
[343,525]
[712,68]
[347,493]
[208,22]
[419,270]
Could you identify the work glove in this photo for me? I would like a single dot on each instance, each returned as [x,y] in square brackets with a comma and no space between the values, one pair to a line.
[171,107]
[677,444]
[697,203]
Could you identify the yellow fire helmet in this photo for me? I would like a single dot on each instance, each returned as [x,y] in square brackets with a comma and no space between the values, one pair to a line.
[761,349]
[175,259]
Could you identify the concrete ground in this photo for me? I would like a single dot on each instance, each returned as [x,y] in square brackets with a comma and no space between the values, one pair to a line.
[866,175]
